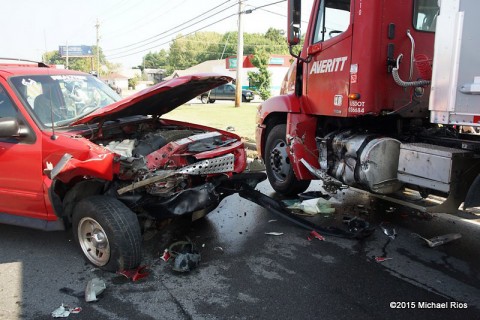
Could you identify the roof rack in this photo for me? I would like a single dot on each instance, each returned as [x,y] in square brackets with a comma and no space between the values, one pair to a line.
[39,63]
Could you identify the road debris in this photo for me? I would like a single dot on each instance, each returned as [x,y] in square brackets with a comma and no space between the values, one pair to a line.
[64,311]
[315,235]
[382,259]
[439,240]
[166,255]
[313,206]
[273,220]
[356,224]
[94,288]
[313,194]
[186,257]
[218,249]
[135,274]
[274,233]
[389,230]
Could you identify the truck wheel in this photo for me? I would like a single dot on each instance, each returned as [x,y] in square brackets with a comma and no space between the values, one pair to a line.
[204,99]
[108,233]
[277,164]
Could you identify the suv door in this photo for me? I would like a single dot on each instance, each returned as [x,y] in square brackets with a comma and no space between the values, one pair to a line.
[21,177]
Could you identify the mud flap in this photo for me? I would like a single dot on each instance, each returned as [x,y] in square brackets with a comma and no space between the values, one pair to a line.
[244,185]
[473,195]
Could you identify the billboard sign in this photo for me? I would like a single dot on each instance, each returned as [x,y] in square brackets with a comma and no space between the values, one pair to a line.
[76,51]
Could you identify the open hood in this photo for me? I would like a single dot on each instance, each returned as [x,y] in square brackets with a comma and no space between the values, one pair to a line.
[158,99]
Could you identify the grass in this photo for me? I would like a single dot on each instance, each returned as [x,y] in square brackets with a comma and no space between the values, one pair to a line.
[219,115]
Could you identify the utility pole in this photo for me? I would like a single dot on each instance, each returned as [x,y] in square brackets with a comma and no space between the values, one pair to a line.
[238,91]
[97,26]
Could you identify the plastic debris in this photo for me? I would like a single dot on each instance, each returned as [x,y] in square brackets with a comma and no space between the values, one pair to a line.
[382,259]
[273,220]
[313,195]
[186,257]
[64,311]
[439,240]
[135,274]
[355,224]
[94,288]
[185,262]
[218,248]
[274,233]
[314,206]
[389,230]
[166,255]
[315,235]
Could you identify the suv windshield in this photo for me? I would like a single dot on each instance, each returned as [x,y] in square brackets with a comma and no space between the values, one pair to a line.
[61,99]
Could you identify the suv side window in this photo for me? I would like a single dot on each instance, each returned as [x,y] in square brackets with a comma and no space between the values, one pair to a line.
[7,109]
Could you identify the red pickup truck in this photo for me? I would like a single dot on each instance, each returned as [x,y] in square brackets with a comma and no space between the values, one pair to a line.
[73,154]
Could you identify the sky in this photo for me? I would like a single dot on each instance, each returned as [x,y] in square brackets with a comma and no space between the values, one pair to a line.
[128,29]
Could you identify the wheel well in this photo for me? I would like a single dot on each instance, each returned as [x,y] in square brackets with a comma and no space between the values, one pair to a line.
[82,189]
[271,121]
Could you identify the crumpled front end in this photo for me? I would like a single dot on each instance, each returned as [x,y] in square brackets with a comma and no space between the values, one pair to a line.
[168,168]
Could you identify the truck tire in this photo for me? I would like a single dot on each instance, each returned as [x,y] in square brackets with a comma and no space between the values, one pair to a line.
[204,99]
[277,164]
[108,233]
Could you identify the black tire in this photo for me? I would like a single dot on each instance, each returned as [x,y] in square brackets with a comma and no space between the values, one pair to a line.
[244,99]
[277,164]
[204,99]
[118,240]
[211,100]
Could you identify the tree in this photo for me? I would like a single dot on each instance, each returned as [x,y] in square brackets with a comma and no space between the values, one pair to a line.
[262,78]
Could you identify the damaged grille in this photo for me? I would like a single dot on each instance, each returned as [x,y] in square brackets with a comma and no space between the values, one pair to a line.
[210,166]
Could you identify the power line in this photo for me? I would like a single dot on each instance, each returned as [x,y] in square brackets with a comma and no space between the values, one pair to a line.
[170,30]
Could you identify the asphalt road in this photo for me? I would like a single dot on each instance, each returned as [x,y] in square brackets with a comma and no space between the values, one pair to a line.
[246,274]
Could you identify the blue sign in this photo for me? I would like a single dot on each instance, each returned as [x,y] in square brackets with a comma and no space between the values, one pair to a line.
[276,61]
[75,51]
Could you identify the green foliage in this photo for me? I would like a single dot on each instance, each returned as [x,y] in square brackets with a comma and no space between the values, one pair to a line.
[86,64]
[261,79]
[132,82]
[187,51]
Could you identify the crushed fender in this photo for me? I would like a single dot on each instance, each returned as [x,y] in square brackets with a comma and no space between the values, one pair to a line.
[439,240]
[94,288]
[135,274]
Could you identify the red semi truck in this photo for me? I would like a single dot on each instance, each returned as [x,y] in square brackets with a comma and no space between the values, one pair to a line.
[384,96]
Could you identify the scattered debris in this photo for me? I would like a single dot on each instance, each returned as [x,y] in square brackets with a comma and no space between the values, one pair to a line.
[388,229]
[439,240]
[135,274]
[218,248]
[273,220]
[166,255]
[314,206]
[355,224]
[315,235]
[64,311]
[274,233]
[382,259]
[313,194]
[391,210]
[186,257]
[94,288]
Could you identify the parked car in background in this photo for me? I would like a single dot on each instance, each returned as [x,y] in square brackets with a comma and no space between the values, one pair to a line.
[73,154]
[225,92]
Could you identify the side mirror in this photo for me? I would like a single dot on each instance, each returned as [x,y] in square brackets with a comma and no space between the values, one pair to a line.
[294,21]
[9,127]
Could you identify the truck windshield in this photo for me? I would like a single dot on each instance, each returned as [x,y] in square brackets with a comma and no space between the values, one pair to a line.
[61,99]
[425,14]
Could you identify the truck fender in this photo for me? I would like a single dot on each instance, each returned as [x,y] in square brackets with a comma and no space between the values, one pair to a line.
[272,112]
